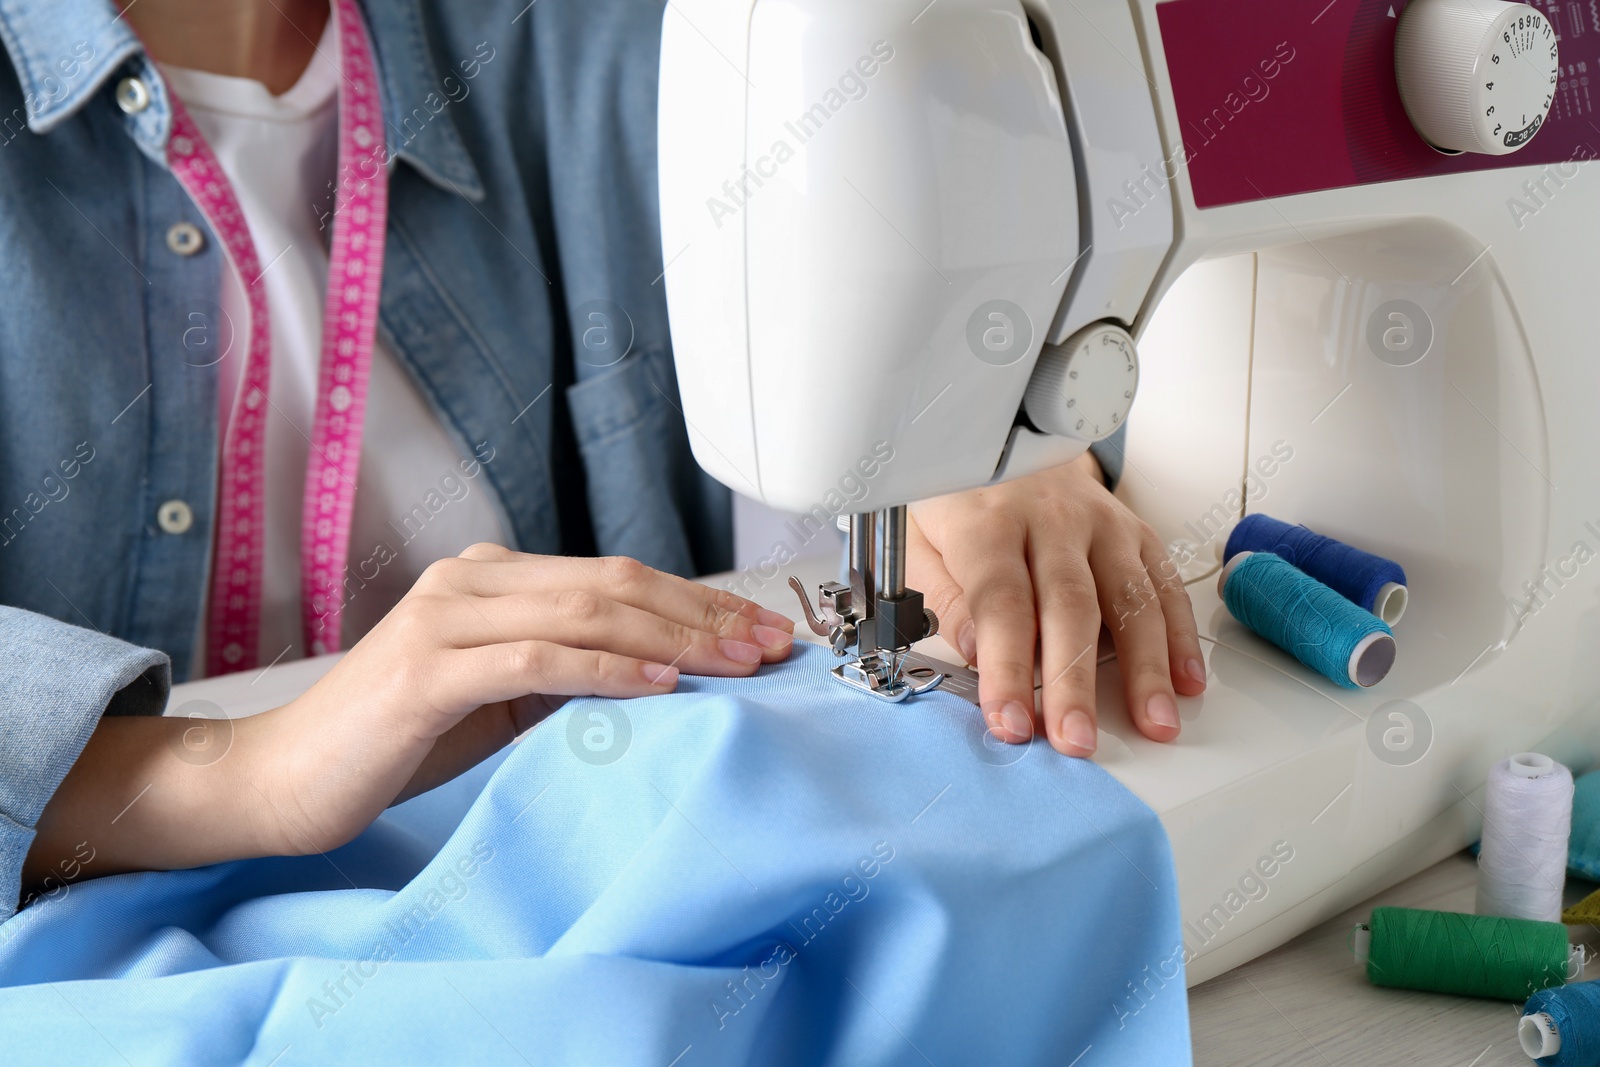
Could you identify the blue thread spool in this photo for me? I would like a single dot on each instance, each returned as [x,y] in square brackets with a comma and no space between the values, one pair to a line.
[1371,582]
[1561,1027]
[1306,619]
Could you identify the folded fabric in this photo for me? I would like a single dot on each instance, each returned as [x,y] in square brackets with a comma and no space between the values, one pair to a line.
[1583,847]
[1585,912]
[770,870]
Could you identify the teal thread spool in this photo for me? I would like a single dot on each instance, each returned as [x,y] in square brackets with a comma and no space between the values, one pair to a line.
[1306,619]
[1468,955]
[1561,1027]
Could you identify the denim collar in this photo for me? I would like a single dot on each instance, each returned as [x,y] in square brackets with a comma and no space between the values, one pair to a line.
[48,40]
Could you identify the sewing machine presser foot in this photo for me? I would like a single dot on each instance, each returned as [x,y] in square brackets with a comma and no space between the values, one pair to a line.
[884,678]
[879,672]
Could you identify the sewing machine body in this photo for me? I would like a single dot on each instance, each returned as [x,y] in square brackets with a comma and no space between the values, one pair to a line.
[1258,240]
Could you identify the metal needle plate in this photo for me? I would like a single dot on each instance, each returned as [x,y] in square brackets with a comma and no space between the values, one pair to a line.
[962,681]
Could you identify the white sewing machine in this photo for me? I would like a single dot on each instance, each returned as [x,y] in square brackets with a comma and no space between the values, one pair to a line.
[932,231]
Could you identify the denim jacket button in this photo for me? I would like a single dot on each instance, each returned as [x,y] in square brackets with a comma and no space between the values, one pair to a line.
[133,95]
[175,517]
[185,238]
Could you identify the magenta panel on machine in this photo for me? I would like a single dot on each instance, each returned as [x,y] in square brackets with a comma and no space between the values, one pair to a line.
[1277,97]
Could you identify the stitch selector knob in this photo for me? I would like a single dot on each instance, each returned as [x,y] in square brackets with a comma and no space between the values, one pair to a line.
[1084,388]
[1476,75]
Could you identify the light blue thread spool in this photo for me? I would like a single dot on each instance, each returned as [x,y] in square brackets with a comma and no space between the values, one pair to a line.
[1306,619]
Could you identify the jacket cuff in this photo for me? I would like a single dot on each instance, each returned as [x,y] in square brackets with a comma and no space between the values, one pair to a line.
[56,681]
[1110,454]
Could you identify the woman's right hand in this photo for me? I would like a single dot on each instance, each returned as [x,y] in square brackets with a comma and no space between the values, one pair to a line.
[481,649]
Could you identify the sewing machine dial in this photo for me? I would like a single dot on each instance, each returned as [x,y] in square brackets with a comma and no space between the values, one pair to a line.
[1476,75]
[1084,388]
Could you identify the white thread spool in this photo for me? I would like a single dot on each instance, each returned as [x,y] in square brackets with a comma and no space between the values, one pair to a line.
[1527,818]
[1538,1036]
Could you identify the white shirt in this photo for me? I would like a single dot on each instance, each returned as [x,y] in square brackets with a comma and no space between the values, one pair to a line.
[281,155]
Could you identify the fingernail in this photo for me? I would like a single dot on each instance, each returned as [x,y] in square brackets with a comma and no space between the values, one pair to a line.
[739,652]
[775,620]
[967,642]
[1078,732]
[1162,711]
[776,640]
[1017,721]
[660,674]
[1196,670]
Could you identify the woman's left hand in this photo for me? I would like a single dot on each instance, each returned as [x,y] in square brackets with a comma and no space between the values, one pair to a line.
[1032,566]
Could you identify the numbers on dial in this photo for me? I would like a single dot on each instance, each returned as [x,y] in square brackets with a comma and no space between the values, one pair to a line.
[1521,39]
[1107,356]
[1479,68]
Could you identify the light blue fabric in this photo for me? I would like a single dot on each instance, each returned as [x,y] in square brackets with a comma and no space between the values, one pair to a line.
[943,900]
[524,193]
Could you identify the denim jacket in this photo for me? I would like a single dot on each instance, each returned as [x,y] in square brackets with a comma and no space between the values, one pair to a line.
[522,199]
[523,196]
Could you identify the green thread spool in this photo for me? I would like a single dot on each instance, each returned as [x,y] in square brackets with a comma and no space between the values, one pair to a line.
[1468,955]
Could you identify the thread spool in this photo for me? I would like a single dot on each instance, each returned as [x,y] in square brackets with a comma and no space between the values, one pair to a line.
[1561,1027]
[1370,582]
[1467,955]
[1527,816]
[1306,619]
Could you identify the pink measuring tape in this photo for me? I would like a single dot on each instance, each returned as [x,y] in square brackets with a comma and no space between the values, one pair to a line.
[355,274]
